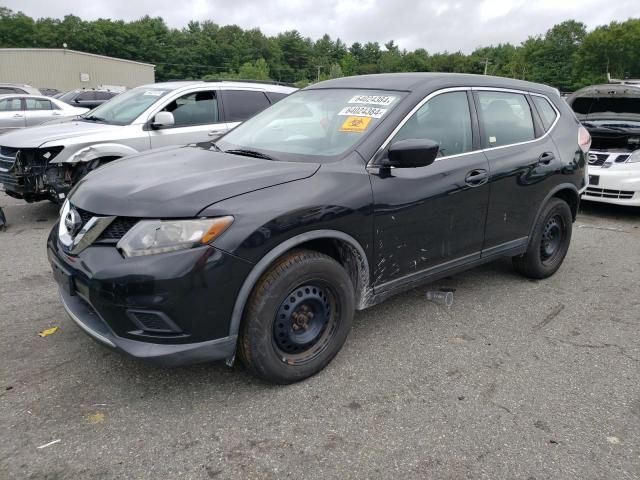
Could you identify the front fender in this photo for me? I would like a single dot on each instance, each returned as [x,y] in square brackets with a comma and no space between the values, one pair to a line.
[87,154]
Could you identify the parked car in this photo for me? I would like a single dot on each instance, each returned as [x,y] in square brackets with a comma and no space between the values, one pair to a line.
[264,242]
[18,88]
[19,111]
[611,113]
[55,157]
[88,98]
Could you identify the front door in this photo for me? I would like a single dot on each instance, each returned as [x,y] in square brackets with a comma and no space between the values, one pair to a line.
[196,117]
[432,217]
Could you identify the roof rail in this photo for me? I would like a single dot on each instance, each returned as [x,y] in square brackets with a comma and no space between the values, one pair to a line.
[265,82]
[626,81]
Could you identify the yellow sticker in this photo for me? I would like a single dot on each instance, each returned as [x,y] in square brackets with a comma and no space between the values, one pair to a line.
[355,124]
[48,331]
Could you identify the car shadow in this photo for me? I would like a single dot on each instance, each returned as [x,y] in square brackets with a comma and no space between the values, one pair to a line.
[608,210]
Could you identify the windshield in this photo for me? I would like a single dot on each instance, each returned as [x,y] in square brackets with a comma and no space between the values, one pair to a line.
[314,123]
[599,110]
[126,107]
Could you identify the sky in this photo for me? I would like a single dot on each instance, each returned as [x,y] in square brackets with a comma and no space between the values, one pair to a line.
[434,25]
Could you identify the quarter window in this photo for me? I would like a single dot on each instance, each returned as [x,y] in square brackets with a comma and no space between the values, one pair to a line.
[445,119]
[506,118]
[38,104]
[197,108]
[10,105]
[547,113]
[240,105]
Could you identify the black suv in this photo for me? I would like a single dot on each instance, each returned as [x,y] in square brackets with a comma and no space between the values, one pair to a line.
[339,196]
[90,98]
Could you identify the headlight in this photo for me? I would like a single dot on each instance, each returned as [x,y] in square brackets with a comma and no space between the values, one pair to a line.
[158,236]
[634,157]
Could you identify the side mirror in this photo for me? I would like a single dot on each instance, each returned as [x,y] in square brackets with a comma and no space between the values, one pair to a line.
[163,119]
[411,153]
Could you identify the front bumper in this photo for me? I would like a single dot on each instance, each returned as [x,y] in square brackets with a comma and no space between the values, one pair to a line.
[191,292]
[616,185]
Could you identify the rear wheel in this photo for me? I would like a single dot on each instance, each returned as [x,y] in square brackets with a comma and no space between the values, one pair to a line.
[549,243]
[298,317]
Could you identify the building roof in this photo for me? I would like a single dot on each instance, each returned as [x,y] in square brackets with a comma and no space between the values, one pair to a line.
[423,81]
[66,50]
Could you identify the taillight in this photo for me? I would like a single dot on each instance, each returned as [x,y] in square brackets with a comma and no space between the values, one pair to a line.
[584,139]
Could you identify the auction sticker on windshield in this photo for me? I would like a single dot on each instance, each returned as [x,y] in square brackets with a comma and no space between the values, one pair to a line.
[372,112]
[355,124]
[383,100]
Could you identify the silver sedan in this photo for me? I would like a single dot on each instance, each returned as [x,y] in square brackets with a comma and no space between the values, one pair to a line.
[19,111]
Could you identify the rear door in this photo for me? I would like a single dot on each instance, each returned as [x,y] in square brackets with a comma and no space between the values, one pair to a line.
[197,119]
[11,114]
[522,159]
[240,105]
[40,110]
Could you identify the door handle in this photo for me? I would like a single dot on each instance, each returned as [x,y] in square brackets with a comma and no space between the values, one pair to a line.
[477,177]
[546,158]
[17,115]
[57,114]
[214,133]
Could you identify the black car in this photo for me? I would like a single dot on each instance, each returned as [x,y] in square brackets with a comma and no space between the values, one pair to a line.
[87,98]
[337,197]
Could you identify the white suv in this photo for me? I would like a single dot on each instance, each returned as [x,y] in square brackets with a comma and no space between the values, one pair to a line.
[611,113]
[44,162]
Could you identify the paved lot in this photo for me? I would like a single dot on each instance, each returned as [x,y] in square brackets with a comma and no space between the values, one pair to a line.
[518,379]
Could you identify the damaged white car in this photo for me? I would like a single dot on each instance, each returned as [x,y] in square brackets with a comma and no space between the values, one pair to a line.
[611,113]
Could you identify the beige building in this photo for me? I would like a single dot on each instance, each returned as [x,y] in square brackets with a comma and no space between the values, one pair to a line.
[69,69]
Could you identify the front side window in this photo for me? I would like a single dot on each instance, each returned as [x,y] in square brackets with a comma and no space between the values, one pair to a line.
[38,104]
[197,108]
[547,113]
[242,104]
[10,105]
[314,125]
[445,119]
[506,118]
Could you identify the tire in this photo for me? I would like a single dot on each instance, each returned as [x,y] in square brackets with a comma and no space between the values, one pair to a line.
[297,318]
[549,243]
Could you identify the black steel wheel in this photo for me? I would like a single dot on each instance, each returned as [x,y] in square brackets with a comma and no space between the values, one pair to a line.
[549,242]
[297,318]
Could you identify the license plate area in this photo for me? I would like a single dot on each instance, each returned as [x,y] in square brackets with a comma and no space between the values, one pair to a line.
[594,179]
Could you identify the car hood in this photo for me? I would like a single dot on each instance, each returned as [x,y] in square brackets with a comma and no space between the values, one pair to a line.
[33,137]
[178,182]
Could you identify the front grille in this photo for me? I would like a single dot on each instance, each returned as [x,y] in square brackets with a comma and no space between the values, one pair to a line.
[116,229]
[597,159]
[606,193]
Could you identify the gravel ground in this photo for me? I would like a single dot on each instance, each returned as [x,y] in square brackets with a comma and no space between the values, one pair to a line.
[519,379]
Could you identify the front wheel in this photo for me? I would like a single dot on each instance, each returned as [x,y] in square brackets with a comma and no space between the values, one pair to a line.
[298,317]
[549,243]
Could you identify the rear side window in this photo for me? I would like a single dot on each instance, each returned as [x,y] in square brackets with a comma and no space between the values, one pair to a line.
[104,95]
[506,119]
[4,90]
[87,96]
[445,119]
[10,105]
[546,111]
[38,104]
[240,105]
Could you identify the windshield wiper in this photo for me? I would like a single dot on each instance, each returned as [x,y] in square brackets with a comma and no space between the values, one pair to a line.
[249,153]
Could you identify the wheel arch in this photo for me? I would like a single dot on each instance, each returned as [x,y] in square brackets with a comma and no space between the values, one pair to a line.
[565,191]
[93,152]
[342,247]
